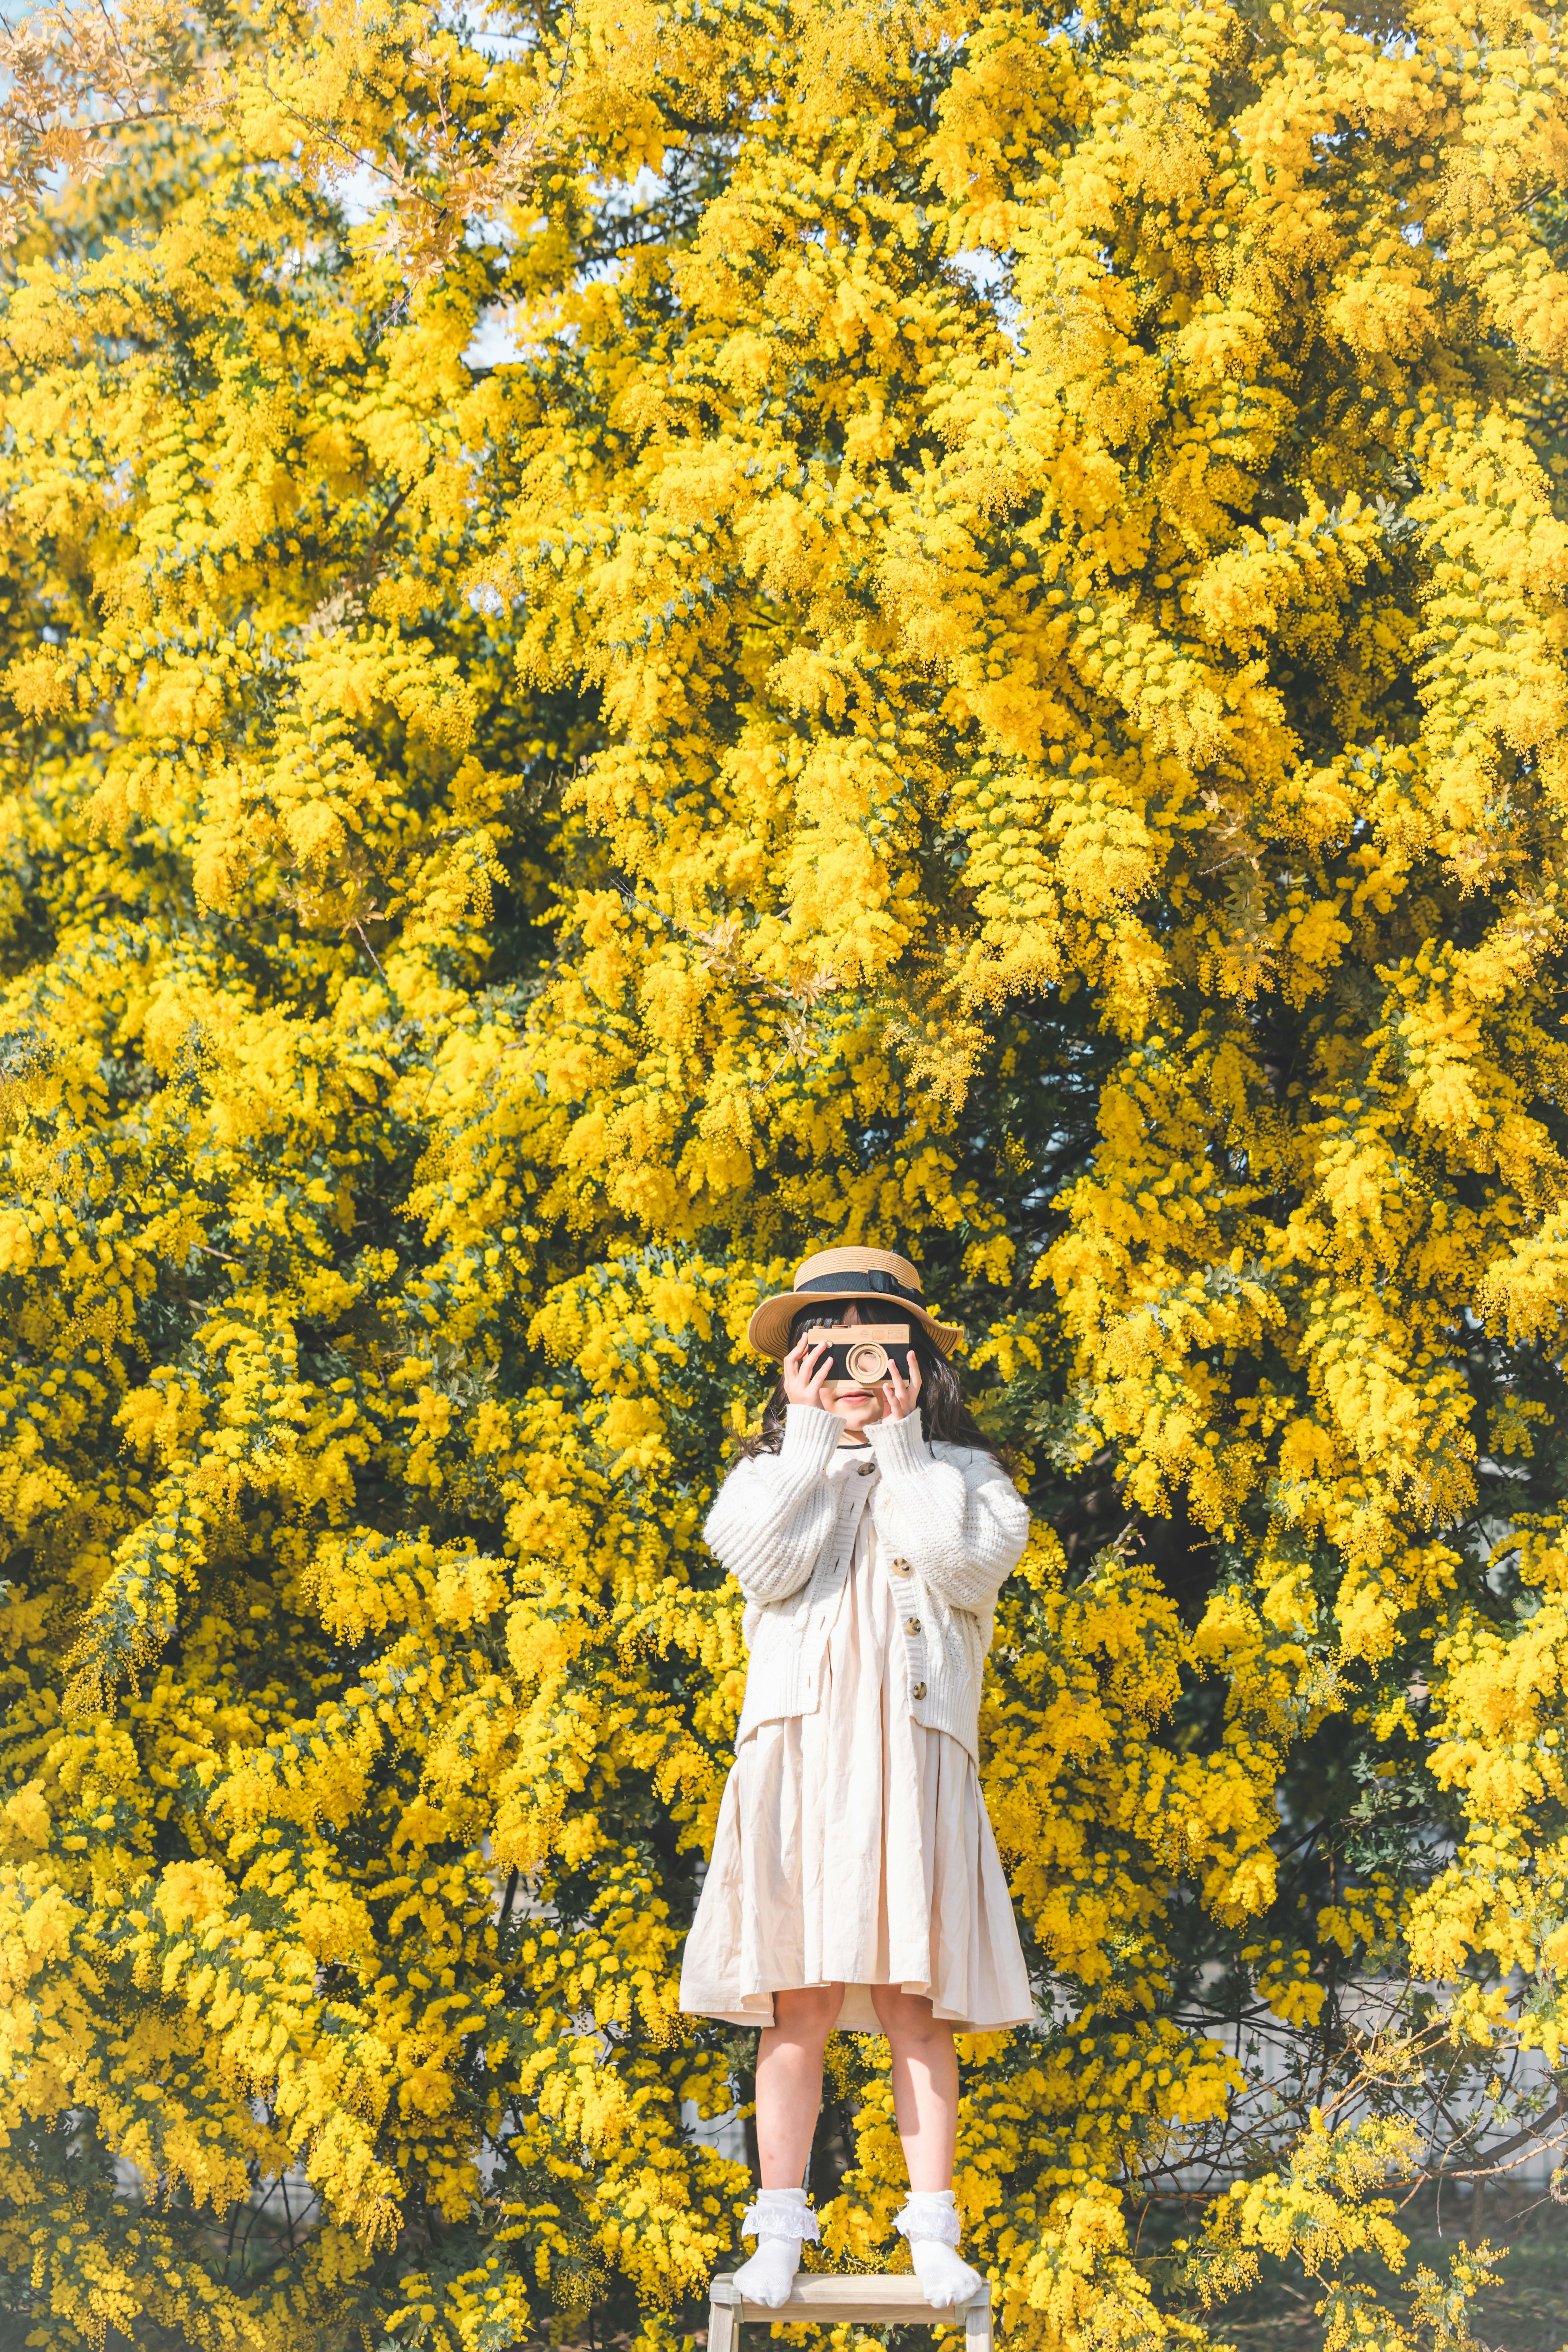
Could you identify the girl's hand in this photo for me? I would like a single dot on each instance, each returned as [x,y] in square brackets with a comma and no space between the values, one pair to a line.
[902,1396]
[805,1372]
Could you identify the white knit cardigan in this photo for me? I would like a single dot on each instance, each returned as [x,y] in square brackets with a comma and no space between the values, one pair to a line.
[950,1525]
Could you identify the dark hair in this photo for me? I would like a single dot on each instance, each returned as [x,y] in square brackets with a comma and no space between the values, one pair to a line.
[944,1416]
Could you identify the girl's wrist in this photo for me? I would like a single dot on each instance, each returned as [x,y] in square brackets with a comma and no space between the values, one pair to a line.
[810,1434]
[902,1439]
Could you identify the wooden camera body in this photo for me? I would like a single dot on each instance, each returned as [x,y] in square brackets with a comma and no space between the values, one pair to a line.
[861,1352]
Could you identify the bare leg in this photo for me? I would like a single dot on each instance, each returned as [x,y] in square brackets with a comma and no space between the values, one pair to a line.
[925,2085]
[789,2096]
[925,2102]
[789,2080]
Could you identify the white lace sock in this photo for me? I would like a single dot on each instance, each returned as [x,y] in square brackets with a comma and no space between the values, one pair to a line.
[779,2219]
[930,2222]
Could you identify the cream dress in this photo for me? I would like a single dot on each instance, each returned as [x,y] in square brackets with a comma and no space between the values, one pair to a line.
[854,1846]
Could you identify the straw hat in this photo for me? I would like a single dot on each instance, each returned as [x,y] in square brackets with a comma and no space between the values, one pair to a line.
[836,1277]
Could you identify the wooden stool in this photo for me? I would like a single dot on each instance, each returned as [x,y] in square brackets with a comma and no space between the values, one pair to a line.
[820,2298]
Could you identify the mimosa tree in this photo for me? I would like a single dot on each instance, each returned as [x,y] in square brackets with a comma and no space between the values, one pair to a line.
[930,626]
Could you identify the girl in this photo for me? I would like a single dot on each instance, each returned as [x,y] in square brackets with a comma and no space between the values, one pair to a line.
[855,1881]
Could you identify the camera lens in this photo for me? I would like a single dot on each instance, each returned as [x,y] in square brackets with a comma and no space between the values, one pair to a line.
[867,1364]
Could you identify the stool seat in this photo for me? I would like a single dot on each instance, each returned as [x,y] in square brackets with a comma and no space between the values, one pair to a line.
[825,2298]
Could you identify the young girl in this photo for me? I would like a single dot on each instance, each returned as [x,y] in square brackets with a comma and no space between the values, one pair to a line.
[855,1881]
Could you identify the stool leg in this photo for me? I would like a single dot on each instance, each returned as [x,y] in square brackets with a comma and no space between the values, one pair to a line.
[723,2327]
[977,2324]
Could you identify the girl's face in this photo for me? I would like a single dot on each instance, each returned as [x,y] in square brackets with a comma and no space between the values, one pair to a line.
[856,1408]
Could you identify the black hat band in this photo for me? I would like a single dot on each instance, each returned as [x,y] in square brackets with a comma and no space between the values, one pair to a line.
[876,1282]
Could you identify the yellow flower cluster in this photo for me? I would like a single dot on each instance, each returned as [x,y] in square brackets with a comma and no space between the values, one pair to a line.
[942,626]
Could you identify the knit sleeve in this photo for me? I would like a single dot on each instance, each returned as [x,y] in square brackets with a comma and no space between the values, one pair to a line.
[773,1514]
[962,1525]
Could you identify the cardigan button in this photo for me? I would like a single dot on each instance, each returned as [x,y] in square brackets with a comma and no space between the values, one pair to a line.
[911,1625]
[867,1470]
[900,1567]
[919,1691]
